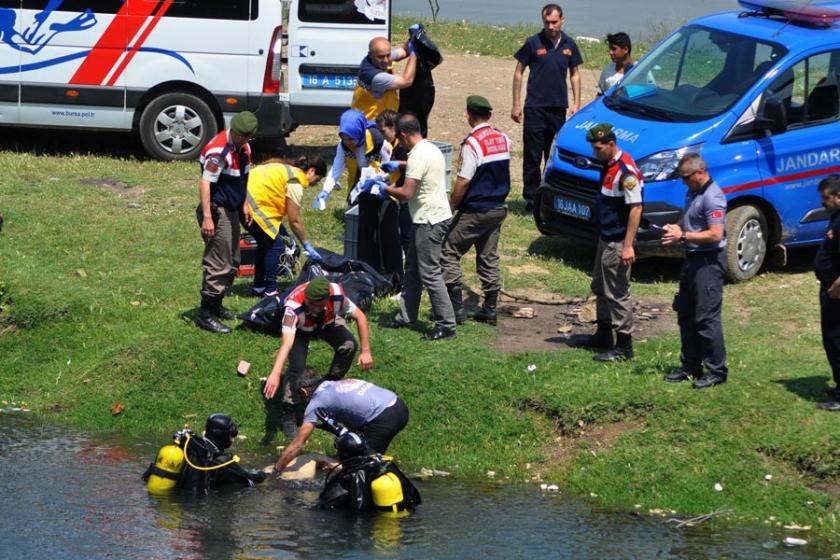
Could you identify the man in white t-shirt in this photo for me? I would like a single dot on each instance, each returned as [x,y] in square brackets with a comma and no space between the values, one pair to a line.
[622,60]
[425,190]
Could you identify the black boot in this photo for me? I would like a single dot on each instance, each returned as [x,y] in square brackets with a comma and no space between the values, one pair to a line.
[603,337]
[487,312]
[207,319]
[623,350]
[224,313]
[456,297]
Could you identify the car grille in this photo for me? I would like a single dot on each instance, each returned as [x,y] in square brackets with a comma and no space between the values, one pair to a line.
[569,184]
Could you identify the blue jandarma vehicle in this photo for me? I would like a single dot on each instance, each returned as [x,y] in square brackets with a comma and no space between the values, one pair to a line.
[756,93]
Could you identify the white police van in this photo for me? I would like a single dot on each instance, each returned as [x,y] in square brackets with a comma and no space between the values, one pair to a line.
[755,92]
[175,71]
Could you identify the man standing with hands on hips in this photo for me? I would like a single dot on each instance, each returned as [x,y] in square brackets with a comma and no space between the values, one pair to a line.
[225,163]
[549,56]
[700,297]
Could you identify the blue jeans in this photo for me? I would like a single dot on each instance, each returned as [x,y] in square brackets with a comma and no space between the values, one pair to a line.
[267,257]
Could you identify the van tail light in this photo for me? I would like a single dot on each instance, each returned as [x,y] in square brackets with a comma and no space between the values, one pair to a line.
[272,82]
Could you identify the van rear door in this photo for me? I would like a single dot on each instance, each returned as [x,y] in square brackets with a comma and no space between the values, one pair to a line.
[10,16]
[327,41]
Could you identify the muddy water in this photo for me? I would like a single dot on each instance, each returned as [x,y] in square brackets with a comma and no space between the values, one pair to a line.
[71,496]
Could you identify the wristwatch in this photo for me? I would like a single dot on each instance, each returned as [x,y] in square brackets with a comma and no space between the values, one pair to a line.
[682,237]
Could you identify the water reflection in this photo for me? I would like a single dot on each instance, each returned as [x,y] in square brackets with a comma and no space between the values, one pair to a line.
[70,496]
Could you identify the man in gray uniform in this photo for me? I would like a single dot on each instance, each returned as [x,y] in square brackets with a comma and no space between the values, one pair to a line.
[700,297]
[376,413]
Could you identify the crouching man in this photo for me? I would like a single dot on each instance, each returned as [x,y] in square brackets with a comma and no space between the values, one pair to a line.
[371,411]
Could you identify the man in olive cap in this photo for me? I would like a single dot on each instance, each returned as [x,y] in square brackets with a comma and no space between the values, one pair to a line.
[225,162]
[478,200]
[315,309]
[618,211]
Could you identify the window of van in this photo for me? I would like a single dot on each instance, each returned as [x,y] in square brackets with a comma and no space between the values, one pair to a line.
[809,89]
[343,11]
[696,74]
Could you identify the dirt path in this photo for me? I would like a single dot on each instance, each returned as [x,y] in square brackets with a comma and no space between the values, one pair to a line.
[553,326]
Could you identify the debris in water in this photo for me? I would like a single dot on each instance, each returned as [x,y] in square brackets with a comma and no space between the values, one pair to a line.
[792,541]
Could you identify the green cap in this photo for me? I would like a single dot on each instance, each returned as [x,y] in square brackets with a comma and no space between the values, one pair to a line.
[479,103]
[244,123]
[318,289]
[602,132]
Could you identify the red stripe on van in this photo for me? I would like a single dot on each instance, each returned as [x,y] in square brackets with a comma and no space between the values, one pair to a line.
[142,39]
[112,43]
[782,179]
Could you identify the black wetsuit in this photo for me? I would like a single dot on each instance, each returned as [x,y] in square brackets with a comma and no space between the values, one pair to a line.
[203,452]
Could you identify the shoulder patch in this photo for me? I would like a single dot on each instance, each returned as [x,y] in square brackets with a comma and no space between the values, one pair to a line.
[213,163]
[629,181]
[567,52]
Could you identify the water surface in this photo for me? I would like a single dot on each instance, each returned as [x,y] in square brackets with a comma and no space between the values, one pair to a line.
[68,495]
[642,19]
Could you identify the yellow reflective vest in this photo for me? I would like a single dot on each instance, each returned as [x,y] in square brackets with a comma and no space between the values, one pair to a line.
[267,189]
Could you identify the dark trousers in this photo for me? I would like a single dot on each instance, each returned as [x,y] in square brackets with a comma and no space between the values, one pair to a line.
[698,305]
[381,430]
[422,270]
[405,227]
[266,257]
[538,130]
[481,230]
[220,260]
[343,343]
[379,235]
[830,323]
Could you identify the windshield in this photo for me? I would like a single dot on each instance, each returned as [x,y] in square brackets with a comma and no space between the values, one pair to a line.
[694,75]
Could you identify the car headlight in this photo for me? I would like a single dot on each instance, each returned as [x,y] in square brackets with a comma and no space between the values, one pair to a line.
[553,151]
[662,166]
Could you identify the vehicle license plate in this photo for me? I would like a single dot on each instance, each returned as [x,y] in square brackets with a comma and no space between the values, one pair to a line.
[328,81]
[572,208]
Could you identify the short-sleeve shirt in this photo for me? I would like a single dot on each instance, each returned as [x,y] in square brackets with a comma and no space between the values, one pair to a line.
[383,81]
[548,66]
[427,166]
[296,317]
[704,208]
[610,76]
[351,402]
[827,261]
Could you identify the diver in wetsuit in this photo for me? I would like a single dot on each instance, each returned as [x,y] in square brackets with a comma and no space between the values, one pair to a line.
[206,465]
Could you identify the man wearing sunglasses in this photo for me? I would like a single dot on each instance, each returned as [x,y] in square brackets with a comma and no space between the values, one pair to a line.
[225,162]
[700,297]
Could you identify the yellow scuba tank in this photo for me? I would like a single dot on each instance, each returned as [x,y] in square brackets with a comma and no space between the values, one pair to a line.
[166,470]
[387,492]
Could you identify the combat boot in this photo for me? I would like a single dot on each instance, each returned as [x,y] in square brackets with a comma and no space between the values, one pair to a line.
[487,312]
[456,297]
[603,337]
[623,350]
[223,312]
[207,320]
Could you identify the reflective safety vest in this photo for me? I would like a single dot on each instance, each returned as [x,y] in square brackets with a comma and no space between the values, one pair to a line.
[267,194]
[295,307]
[229,167]
[373,149]
[363,99]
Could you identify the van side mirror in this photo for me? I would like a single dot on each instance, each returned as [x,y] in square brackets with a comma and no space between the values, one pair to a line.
[773,116]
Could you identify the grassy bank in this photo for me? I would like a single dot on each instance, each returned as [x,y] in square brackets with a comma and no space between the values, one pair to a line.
[99,276]
[98,294]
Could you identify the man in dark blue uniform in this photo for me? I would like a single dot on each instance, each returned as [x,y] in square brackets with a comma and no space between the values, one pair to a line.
[827,269]
[700,297]
[549,56]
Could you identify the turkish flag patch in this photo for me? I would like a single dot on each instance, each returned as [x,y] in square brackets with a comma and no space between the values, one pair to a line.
[541,52]
[716,214]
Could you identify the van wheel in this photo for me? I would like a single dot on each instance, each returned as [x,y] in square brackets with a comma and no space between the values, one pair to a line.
[746,242]
[176,126]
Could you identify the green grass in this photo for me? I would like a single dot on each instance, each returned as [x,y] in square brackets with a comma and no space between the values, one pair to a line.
[95,308]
